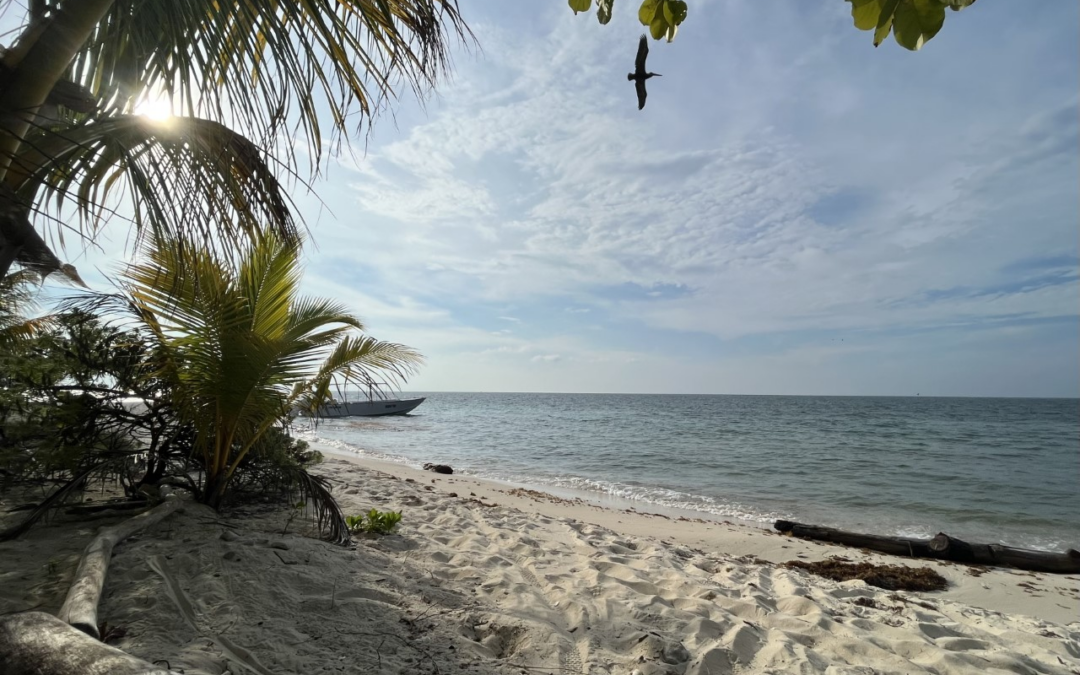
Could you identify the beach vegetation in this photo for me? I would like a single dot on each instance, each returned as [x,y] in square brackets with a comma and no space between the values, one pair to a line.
[912,23]
[238,347]
[80,73]
[192,383]
[374,522]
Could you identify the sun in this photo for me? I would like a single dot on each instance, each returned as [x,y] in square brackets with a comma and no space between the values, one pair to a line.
[158,109]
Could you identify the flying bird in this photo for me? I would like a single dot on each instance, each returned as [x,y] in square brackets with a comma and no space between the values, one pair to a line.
[639,75]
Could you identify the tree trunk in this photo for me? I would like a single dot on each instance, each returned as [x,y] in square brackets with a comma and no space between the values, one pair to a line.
[36,643]
[36,63]
[943,547]
[81,605]
[215,490]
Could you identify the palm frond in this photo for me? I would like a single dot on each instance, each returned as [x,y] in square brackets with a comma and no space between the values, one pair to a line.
[259,63]
[189,177]
[316,494]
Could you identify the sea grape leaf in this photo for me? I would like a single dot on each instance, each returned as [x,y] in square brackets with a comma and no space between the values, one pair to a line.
[885,21]
[912,22]
[647,12]
[666,17]
[580,5]
[865,13]
[603,11]
[658,27]
[674,12]
[917,21]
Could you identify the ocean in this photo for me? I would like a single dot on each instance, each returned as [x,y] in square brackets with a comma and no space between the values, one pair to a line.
[985,469]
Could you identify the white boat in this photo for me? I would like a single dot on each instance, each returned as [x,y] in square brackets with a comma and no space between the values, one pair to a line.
[372,408]
[379,399]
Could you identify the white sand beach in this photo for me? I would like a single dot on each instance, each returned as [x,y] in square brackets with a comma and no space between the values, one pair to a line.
[484,578]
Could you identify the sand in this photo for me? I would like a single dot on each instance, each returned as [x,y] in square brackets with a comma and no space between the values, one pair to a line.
[485,578]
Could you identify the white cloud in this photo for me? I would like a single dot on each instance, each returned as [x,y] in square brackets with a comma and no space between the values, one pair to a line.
[784,175]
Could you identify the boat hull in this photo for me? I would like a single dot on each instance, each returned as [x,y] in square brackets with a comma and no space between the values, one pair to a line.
[376,408]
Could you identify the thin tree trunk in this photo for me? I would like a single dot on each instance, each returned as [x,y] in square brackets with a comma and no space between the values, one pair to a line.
[81,605]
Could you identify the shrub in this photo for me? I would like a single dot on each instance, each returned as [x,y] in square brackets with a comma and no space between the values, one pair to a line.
[374,521]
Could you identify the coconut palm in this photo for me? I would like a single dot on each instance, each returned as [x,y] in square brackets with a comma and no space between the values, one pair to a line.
[238,346]
[272,70]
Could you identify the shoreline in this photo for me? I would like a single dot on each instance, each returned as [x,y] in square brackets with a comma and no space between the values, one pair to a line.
[755,490]
[997,589]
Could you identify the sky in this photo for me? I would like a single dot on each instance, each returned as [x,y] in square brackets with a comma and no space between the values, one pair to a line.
[793,212]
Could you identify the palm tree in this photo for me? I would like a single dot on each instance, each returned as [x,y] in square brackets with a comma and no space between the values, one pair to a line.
[272,71]
[237,345]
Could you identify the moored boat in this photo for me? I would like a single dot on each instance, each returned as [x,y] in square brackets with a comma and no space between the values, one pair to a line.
[369,408]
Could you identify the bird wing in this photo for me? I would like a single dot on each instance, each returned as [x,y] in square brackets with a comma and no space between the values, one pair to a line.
[641,94]
[642,53]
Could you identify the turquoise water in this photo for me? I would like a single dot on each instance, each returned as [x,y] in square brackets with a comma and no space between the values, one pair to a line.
[990,470]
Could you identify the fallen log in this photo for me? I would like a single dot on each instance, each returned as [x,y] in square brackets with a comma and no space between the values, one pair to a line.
[122,505]
[942,547]
[81,605]
[36,643]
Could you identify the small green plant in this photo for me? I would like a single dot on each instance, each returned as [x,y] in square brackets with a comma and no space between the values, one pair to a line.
[297,509]
[374,521]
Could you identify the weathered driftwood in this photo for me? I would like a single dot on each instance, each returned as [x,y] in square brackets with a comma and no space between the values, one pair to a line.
[943,547]
[36,643]
[81,509]
[81,605]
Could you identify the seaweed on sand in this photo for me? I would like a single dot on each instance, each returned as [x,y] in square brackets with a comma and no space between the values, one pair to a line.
[889,577]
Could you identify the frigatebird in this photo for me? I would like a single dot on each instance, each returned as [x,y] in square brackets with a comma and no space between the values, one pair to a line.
[639,75]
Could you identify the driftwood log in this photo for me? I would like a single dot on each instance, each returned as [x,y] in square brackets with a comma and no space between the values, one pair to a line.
[83,509]
[942,547]
[36,643]
[81,605]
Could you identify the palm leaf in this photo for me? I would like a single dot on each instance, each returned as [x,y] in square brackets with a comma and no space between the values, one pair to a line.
[316,493]
[257,63]
[189,177]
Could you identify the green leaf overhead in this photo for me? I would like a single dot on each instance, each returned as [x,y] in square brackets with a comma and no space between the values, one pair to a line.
[647,11]
[912,22]
[662,17]
[865,13]
[675,12]
[885,21]
[603,11]
[580,5]
[917,21]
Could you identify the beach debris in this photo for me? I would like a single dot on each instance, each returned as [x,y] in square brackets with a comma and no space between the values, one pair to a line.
[110,633]
[889,577]
[439,468]
[41,644]
[538,496]
[81,604]
[942,547]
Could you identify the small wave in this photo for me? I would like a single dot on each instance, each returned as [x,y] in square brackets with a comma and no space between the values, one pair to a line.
[348,448]
[653,496]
